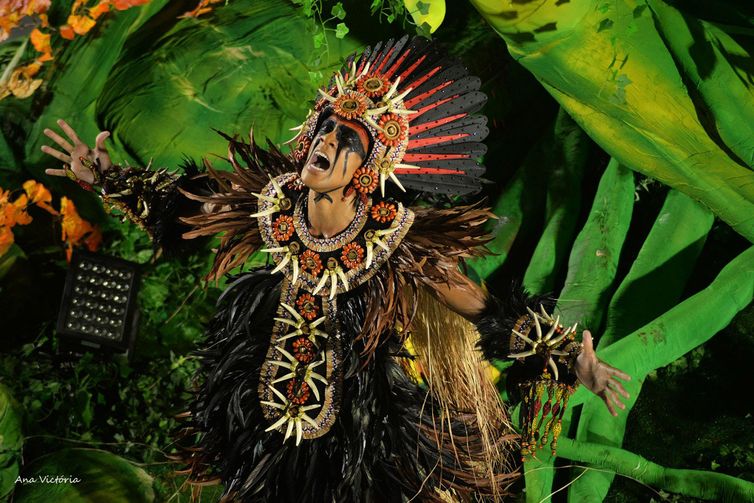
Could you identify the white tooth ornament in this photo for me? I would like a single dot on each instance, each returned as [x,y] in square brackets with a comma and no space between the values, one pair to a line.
[342,277]
[333,284]
[283,263]
[370,253]
[554,367]
[289,430]
[407,166]
[339,84]
[552,329]
[365,70]
[402,95]
[321,283]
[274,405]
[278,394]
[395,181]
[326,96]
[299,431]
[288,257]
[280,422]
[392,89]
[403,111]
[377,111]
[371,122]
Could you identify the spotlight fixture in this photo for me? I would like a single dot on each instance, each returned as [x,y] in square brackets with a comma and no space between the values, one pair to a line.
[98,311]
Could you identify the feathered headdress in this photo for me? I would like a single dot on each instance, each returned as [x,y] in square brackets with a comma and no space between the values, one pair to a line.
[418,106]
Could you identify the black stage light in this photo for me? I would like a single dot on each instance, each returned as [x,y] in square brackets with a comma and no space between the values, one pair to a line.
[98,311]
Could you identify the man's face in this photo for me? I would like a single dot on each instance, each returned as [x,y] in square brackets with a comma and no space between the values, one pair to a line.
[337,151]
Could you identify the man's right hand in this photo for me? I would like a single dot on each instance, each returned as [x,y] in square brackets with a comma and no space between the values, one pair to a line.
[93,159]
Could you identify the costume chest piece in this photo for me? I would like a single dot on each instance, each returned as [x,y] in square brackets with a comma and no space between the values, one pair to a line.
[301,377]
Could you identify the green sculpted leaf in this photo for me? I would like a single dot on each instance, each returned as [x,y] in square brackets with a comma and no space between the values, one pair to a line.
[11,441]
[102,477]
[614,72]
[246,67]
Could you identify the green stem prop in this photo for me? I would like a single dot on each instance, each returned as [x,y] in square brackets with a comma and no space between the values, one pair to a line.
[653,285]
[692,483]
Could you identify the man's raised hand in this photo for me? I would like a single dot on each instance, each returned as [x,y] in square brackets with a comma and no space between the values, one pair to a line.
[81,162]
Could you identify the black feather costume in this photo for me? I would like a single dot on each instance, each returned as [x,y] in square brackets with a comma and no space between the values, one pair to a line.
[303,394]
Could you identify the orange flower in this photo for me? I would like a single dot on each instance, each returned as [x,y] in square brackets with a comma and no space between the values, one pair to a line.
[307,306]
[202,8]
[364,180]
[282,228]
[75,229]
[99,9]
[6,239]
[39,195]
[11,12]
[350,105]
[127,4]
[383,212]
[67,32]
[81,24]
[13,213]
[393,128]
[311,262]
[41,42]
[21,84]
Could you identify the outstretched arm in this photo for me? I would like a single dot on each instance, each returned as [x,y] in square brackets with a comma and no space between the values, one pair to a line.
[150,199]
[469,300]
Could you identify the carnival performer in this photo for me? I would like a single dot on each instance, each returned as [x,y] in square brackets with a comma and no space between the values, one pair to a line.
[308,389]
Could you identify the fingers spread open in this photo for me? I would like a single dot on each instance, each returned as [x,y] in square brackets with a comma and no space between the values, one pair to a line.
[609,404]
[619,373]
[68,130]
[617,386]
[55,172]
[57,155]
[587,342]
[58,139]
[614,398]
[100,141]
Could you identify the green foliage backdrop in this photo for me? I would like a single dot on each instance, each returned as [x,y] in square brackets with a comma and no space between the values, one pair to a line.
[620,156]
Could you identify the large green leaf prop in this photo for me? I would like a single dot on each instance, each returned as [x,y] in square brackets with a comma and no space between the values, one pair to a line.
[11,441]
[161,83]
[653,285]
[249,65]
[102,476]
[623,70]
[584,298]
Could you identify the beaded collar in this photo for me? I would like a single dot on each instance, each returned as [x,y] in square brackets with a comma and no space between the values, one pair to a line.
[327,266]
[332,243]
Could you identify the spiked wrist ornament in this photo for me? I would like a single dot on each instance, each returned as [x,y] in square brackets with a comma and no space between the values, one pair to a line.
[543,375]
[540,337]
[143,196]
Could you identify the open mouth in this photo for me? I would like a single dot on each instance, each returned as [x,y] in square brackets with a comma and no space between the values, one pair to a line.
[319,162]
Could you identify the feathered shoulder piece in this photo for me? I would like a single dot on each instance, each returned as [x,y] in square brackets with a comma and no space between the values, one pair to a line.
[440,237]
[229,207]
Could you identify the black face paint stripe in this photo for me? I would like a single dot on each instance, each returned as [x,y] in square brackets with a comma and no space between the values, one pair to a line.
[345,162]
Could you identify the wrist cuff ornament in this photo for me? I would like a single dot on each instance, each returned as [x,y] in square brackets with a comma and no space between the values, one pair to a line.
[544,398]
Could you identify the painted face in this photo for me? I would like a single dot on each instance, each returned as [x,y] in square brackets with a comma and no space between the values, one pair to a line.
[337,151]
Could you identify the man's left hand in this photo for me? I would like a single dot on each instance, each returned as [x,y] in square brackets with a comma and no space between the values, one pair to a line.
[599,377]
